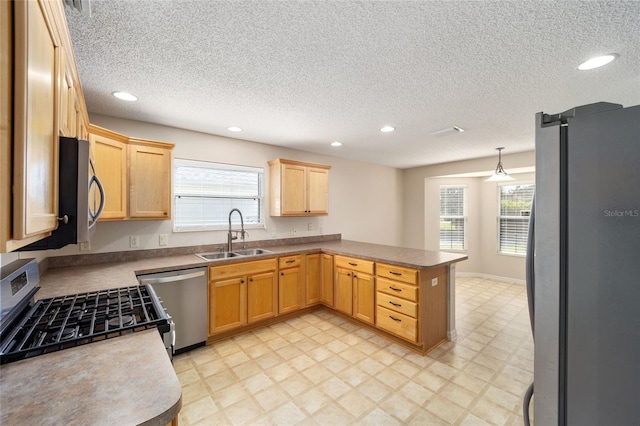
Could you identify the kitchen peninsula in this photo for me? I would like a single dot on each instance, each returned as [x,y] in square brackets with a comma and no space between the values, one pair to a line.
[426,277]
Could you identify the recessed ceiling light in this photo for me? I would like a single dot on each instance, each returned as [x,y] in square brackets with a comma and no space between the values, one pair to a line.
[387,129]
[125,96]
[234,129]
[596,62]
[336,143]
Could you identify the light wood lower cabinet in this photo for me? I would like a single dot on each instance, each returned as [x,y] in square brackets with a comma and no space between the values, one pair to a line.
[354,291]
[326,279]
[241,293]
[313,263]
[407,305]
[291,282]
[398,301]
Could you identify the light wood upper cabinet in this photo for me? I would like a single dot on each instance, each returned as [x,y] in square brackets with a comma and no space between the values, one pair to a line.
[67,117]
[149,179]
[109,154]
[298,189]
[135,173]
[35,120]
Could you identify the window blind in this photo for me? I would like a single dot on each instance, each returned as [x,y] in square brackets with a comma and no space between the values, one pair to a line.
[513,219]
[205,193]
[452,217]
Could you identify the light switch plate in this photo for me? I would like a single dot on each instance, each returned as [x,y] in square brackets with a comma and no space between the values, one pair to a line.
[134,241]
[163,239]
[434,282]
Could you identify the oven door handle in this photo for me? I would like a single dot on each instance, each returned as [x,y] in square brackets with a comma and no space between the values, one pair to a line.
[172,278]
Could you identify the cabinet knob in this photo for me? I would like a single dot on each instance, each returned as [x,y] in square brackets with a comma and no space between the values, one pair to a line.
[355,276]
[282,273]
[241,281]
[165,213]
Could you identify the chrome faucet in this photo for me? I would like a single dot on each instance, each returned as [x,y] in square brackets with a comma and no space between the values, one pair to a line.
[230,238]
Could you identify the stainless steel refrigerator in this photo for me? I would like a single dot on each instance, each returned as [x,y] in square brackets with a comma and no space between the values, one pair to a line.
[586,280]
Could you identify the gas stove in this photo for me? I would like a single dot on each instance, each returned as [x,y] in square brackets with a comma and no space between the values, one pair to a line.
[35,328]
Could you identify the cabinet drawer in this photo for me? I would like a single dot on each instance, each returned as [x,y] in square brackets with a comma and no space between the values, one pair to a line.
[352,263]
[396,323]
[241,268]
[397,273]
[395,288]
[290,261]
[399,305]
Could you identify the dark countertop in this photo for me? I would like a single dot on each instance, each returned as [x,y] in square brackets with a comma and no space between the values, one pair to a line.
[119,384]
[77,279]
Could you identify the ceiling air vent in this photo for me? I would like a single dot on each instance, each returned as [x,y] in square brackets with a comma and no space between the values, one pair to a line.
[83,6]
[447,131]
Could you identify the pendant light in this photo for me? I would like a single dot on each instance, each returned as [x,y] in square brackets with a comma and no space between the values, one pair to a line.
[500,174]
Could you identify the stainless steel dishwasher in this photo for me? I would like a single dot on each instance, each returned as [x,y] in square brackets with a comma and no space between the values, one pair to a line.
[184,296]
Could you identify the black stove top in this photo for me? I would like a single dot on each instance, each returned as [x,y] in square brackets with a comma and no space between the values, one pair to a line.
[58,323]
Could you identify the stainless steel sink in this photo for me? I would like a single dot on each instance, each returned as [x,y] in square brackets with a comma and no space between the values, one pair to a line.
[227,254]
[217,255]
[252,252]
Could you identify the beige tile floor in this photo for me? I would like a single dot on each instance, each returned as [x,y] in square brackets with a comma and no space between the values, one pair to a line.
[320,369]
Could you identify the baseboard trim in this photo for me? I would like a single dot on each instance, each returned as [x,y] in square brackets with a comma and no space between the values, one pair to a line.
[490,277]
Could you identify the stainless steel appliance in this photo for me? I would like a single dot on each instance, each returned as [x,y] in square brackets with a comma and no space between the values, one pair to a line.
[32,328]
[184,294]
[586,281]
[80,197]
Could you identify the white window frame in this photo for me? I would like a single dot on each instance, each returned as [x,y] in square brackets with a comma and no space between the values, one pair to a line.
[520,246]
[455,217]
[233,199]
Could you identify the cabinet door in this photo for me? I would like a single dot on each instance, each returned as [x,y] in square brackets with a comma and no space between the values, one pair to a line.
[326,282]
[312,294]
[110,158]
[293,189]
[289,289]
[35,150]
[343,295]
[262,301]
[317,191]
[363,297]
[149,182]
[67,115]
[227,304]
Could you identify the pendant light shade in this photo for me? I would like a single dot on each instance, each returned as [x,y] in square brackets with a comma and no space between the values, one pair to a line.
[499,174]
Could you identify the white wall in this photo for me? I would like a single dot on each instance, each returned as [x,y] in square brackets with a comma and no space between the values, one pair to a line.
[355,193]
[421,211]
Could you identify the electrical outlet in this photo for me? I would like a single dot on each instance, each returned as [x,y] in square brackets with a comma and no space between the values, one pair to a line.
[434,282]
[294,231]
[134,241]
[163,239]
[85,246]
[310,226]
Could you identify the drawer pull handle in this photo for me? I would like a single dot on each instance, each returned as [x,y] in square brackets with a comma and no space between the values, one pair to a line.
[395,289]
[353,264]
[395,304]
[290,261]
[394,318]
[395,273]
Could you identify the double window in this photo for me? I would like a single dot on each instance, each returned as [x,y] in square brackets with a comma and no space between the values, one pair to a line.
[514,210]
[205,193]
[453,217]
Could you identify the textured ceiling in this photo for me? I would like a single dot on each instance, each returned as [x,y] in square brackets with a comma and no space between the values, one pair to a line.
[302,74]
